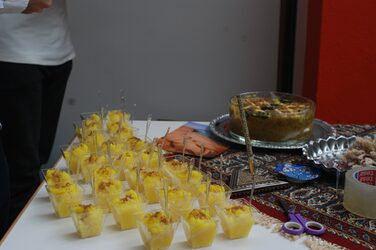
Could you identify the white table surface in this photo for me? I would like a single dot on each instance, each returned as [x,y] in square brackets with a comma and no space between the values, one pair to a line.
[38,227]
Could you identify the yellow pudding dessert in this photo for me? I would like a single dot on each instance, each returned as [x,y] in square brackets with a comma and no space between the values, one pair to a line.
[94,140]
[125,164]
[149,159]
[217,197]
[117,116]
[92,123]
[126,159]
[89,163]
[131,177]
[193,184]
[179,202]
[55,176]
[104,172]
[116,148]
[136,144]
[156,230]
[74,155]
[63,196]
[121,133]
[78,130]
[113,127]
[105,191]
[176,166]
[151,182]
[118,123]
[236,220]
[173,168]
[200,228]
[126,208]
[118,162]
[88,220]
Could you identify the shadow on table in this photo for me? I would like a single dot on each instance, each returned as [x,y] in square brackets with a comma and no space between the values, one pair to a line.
[140,247]
[221,236]
[72,236]
[44,199]
[114,228]
[180,245]
[49,216]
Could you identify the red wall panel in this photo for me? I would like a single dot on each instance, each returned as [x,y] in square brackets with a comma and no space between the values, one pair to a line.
[340,70]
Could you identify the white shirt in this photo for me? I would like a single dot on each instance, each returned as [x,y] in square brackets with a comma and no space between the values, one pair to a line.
[40,38]
[13,6]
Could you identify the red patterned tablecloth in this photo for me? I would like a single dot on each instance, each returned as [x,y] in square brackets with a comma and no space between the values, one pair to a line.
[318,200]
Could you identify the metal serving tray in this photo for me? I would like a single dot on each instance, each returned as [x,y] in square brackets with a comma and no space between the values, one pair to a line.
[328,152]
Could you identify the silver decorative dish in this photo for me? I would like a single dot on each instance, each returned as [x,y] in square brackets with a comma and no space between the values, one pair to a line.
[220,127]
[328,152]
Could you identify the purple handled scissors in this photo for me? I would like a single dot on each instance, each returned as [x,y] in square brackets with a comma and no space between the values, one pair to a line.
[297,224]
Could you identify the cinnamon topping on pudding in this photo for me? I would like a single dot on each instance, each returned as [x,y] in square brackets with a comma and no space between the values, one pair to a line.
[63,185]
[92,158]
[157,217]
[216,188]
[55,176]
[133,140]
[128,197]
[175,163]
[85,208]
[150,174]
[237,209]
[199,214]
[104,171]
[104,185]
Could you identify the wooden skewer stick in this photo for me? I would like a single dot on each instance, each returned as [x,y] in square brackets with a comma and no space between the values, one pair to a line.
[109,152]
[131,117]
[147,127]
[201,154]
[165,137]
[120,125]
[248,144]
[123,105]
[190,167]
[208,189]
[184,146]
[250,204]
[165,193]
[159,156]
[101,109]
[104,109]
[95,141]
[122,99]
[220,170]
[138,175]
[151,152]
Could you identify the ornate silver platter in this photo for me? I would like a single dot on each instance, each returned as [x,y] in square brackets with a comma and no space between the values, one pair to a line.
[220,127]
[328,152]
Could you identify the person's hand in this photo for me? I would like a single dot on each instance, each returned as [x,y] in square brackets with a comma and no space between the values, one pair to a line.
[37,6]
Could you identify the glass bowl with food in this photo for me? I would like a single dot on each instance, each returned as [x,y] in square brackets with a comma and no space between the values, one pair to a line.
[273,116]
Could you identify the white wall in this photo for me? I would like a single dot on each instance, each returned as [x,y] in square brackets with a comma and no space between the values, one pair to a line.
[175,59]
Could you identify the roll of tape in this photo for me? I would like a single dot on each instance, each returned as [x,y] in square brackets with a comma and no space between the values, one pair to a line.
[360,192]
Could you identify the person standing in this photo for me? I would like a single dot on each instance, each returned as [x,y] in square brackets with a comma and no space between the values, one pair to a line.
[36,55]
[24,6]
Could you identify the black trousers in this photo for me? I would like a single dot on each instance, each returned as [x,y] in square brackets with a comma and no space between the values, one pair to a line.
[30,102]
[4,190]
